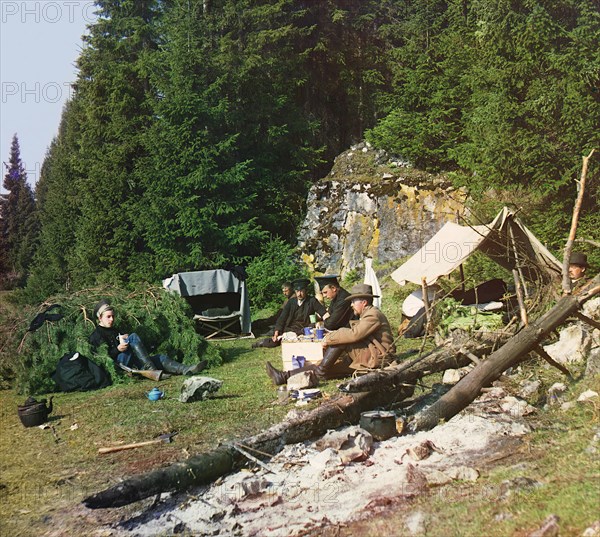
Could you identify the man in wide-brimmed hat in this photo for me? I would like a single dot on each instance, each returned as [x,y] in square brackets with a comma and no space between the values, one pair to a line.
[578,264]
[339,310]
[367,344]
[295,315]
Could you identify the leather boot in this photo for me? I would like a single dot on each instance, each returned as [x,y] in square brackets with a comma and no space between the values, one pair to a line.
[280,377]
[142,354]
[330,357]
[172,366]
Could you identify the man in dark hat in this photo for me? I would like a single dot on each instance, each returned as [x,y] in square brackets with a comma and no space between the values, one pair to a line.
[295,315]
[128,349]
[339,310]
[578,264]
[367,344]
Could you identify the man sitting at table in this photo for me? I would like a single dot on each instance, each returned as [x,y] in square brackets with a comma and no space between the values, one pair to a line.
[339,310]
[295,315]
[367,344]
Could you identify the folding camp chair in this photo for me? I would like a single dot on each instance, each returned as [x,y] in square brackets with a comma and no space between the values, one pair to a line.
[221,326]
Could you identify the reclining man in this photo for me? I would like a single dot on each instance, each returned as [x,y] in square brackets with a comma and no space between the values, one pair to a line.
[367,344]
[295,315]
[128,349]
[339,310]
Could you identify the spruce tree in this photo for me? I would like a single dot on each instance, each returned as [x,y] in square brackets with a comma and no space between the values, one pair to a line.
[18,224]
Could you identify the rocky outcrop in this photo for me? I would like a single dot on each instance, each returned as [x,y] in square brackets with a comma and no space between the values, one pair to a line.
[371,205]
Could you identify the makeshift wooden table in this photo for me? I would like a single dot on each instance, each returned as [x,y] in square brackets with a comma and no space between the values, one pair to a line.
[311,350]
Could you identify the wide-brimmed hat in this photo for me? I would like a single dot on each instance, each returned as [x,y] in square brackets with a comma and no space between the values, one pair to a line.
[361,290]
[101,307]
[301,283]
[578,258]
[331,279]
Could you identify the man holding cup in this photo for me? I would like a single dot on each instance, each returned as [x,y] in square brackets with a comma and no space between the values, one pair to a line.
[128,349]
[367,344]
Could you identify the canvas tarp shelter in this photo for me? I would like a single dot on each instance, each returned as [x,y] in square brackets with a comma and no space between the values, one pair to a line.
[454,243]
[216,296]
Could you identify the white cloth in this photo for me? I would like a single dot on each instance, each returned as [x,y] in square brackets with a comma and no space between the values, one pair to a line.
[371,279]
[414,302]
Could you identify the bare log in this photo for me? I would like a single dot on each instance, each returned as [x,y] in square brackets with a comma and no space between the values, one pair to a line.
[204,468]
[451,356]
[509,355]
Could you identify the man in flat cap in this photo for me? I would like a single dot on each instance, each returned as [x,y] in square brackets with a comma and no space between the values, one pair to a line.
[367,344]
[295,315]
[339,310]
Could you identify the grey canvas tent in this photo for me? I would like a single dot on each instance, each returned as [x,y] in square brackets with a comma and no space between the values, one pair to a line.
[506,240]
[219,300]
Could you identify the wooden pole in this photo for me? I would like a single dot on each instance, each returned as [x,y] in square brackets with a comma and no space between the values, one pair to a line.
[566,281]
[427,307]
[517,260]
[519,292]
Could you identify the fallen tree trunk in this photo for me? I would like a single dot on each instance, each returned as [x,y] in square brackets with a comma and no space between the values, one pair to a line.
[509,355]
[452,356]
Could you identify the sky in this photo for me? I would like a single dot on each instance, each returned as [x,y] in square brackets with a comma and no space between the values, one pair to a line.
[40,41]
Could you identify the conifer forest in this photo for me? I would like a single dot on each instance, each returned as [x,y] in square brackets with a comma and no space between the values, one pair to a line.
[196,127]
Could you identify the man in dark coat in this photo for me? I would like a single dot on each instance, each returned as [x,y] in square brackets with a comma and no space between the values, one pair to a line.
[367,344]
[339,310]
[295,315]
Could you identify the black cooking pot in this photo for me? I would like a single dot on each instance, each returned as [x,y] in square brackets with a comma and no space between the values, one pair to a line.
[33,412]
[380,423]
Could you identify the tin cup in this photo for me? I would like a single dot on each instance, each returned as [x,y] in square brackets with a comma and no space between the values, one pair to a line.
[307,331]
[320,333]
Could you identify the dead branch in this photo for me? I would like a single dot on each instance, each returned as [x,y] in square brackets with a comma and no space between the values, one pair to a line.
[566,281]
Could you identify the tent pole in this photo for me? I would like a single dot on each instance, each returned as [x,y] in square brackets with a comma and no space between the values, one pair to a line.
[517,263]
[462,277]
[519,291]
[427,306]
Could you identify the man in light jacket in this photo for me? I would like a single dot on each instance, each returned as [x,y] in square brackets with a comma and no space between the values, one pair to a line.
[367,344]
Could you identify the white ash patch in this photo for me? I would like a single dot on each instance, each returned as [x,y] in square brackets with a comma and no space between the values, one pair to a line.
[308,488]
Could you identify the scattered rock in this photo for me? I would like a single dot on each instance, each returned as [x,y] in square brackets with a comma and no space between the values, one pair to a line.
[464,473]
[593,530]
[500,517]
[302,380]
[588,394]
[549,528]
[351,444]
[529,388]
[556,392]
[415,522]
[573,345]
[516,407]
[451,376]
[436,477]
[518,484]
[567,406]
[421,451]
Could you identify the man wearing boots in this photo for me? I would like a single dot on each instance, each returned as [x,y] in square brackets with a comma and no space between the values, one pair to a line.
[367,344]
[339,310]
[128,349]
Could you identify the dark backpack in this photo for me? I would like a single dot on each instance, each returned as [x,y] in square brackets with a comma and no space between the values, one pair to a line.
[75,372]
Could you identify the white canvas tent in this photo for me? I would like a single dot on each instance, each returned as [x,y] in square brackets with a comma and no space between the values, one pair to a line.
[500,240]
